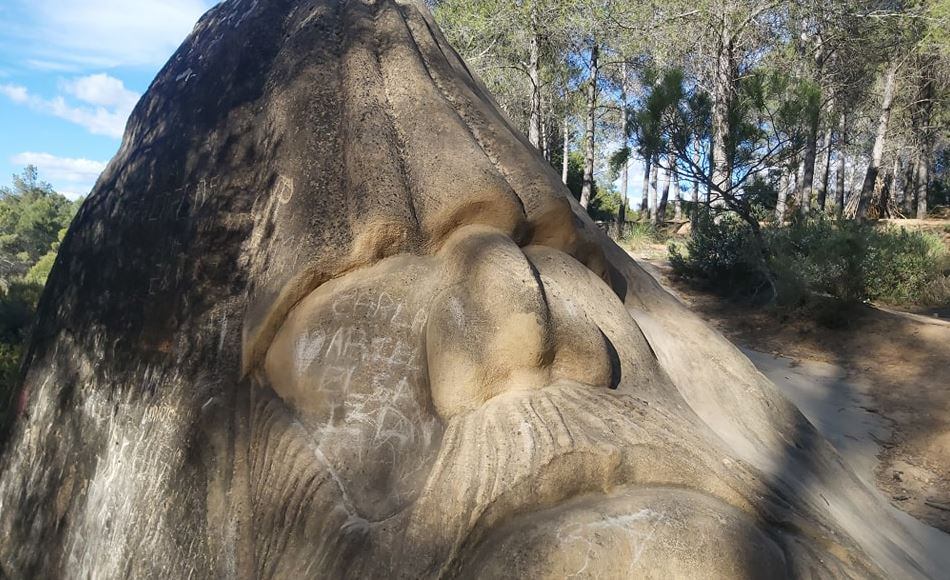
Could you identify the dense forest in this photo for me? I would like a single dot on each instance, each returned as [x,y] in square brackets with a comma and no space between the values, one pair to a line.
[800,105]
[782,129]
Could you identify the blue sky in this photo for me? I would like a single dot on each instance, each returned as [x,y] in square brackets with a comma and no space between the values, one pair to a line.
[70,73]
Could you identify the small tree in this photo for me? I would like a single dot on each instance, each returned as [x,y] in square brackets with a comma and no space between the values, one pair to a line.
[767,120]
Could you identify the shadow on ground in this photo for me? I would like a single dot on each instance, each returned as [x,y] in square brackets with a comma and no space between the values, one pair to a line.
[884,368]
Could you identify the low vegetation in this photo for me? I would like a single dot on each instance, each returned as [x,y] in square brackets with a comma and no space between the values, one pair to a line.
[639,235]
[790,265]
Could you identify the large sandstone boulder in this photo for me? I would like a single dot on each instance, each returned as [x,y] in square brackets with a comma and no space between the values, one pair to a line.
[327,314]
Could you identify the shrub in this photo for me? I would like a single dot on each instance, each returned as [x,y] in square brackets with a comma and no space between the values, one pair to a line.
[901,263]
[722,254]
[847,261]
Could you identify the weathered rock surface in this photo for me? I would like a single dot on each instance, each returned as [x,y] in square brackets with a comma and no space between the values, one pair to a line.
[327,314]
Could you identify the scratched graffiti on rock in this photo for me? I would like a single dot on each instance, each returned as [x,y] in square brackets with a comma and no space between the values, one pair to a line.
[363,361]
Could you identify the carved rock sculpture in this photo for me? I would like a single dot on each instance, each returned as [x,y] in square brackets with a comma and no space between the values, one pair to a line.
[327,314]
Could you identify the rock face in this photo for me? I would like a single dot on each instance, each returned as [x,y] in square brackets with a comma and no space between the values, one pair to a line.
[327,314]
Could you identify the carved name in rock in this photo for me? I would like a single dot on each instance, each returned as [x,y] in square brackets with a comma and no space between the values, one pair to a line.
[327,314]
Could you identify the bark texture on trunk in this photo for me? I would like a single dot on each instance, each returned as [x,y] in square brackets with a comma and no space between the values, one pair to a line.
[899,188]
[797,185]
[807,192]
[624,177]
[654,177]
[660,216]
[781,202]
[534,72]
[889,190]
[545,137]
[677,200]
[645,192]
[675,187]
[909,187]
[923,121]
[825,172]
[565,161]
[588,188]
[695,213]
[880,138]
[723,90]
[923,179]
[806,186]
[840,193]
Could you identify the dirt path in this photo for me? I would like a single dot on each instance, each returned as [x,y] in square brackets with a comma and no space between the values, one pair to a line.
[843,412]
[836,406]
[879,388]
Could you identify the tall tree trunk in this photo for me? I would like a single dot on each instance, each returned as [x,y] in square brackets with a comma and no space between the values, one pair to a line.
[709,179]
[545,141]
[654,177]
[923,180]
[722,97]
[798,185]
[675,188]
[877,153]
[889,188]
[565,154]
[908,207]
[677,199]
[807,191]
[624,178]
[782,201]
[898,188]
[588,188]
[696,160]
[926,99]
[534,73]
[660,216]
[624,199]
[794,185]
[841,196]
[645,200]
[806,186]
[825,172]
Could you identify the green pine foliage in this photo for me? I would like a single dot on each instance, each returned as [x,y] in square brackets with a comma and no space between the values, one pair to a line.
[33,222]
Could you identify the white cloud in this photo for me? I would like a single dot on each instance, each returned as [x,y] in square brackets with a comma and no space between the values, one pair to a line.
[105,103]
[51,66]
[101,90]
[106,33]
[70,176]
[16,93]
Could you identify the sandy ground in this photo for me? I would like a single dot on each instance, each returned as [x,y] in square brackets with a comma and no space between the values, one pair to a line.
[842,410]
[878,389]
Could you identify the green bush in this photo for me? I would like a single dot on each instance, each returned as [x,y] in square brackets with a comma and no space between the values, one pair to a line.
[901,264]
[722,254]
[847,261]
